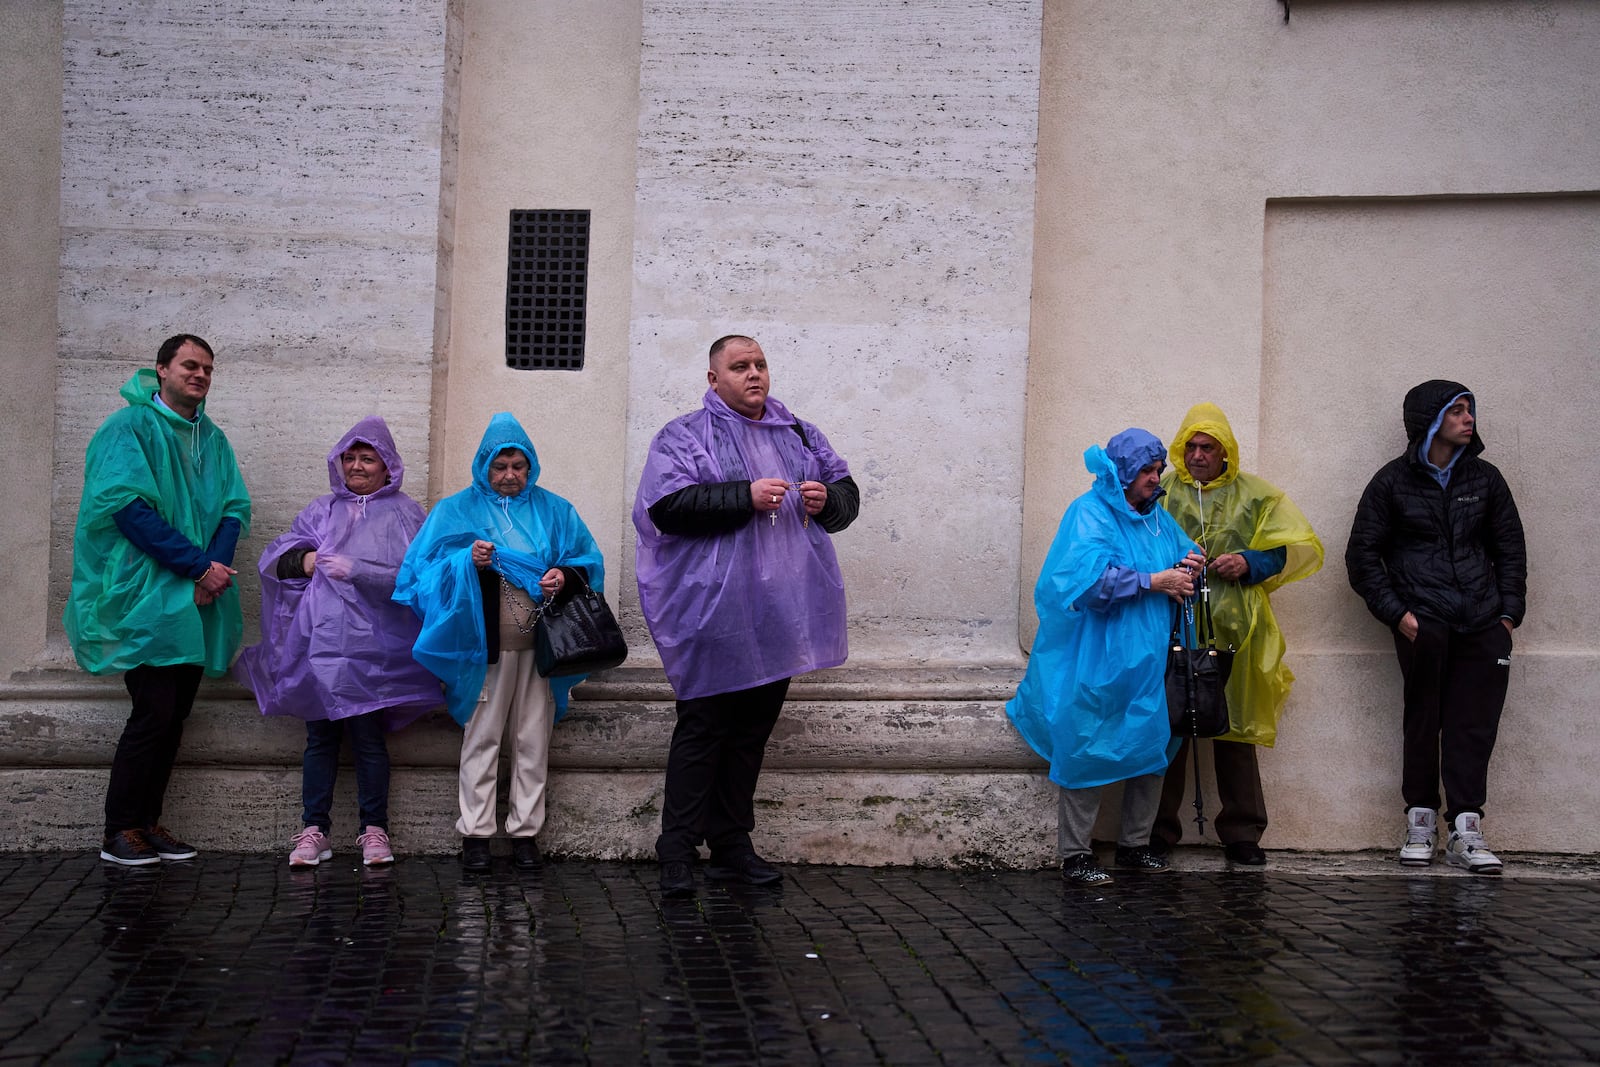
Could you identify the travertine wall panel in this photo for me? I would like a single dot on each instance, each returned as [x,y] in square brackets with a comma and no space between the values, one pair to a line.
[267,176]
[30,167]
[852,184]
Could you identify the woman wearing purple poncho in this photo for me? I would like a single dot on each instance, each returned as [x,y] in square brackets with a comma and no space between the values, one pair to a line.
[741,589]
[335,649]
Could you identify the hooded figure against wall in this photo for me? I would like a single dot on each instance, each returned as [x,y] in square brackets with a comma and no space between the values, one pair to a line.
[472,576]
[335,648]
[1256,541]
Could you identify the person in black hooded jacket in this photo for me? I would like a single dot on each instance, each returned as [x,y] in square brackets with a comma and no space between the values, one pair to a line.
[1437,553]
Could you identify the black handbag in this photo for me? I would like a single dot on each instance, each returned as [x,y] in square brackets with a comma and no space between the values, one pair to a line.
[1197,674]
[578,635]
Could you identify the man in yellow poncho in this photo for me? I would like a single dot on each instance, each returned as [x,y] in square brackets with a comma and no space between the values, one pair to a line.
[1256,540]
[163,509]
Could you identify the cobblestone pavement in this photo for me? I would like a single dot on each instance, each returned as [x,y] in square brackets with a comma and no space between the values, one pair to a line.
[238,959]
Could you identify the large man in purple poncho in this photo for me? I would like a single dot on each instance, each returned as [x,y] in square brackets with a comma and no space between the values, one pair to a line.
[740,586]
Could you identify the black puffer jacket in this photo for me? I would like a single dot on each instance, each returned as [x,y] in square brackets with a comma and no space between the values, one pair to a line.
[1453,554]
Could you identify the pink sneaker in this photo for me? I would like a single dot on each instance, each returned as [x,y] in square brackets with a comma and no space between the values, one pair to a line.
[310,848]
[374,844]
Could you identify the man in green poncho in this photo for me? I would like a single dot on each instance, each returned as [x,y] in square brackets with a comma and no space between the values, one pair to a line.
[163,508]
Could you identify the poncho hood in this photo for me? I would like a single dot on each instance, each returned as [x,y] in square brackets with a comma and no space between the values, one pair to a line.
[141,389]
[1205,418]
[503,432]
[373,431]
[1423,406]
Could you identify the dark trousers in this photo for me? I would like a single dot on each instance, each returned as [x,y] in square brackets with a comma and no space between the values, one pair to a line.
[1455,688]
[142,765]
[712,767]
[1243,815]
[320,769]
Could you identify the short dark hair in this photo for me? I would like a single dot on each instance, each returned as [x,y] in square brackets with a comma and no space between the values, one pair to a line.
[723,342]
[170,346]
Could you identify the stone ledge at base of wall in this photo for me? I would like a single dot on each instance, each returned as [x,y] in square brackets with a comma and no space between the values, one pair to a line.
[866,767]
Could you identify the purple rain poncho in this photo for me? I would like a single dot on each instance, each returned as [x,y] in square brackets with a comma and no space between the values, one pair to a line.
[1093,700]
[765,601]
[531,532]
[336,645]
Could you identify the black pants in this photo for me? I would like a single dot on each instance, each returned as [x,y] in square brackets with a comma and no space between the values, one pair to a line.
[1243,815]
[1455,688]
[142,765]
[717,749]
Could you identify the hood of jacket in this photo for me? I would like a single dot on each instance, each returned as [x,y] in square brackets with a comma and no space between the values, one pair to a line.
[141,389]
[1421,410]
[373,431]
[1205,418]
[1117,464]
[503,432]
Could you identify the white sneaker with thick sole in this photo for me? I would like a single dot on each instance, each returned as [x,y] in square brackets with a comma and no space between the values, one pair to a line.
[1466,848]
[1422,837]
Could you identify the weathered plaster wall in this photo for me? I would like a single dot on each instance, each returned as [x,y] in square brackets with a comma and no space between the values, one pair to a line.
[30,162]
[266,176]
[851,183]
[1196,241]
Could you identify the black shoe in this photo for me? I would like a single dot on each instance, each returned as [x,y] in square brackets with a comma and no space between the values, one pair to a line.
[677,878]
[746,867]
[524,853]
[1083,869]
[129,848]
[1140,858]
[167,845]
[1247,853]
[475,855]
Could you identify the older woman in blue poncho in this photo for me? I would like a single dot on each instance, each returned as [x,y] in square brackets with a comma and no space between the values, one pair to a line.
[1093,701]
[471,575]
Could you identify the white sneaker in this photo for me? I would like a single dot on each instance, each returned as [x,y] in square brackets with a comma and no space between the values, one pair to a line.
[1422,837]
[1467,849]
[310,848]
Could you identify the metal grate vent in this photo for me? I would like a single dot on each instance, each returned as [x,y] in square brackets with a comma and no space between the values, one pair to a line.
[547,289]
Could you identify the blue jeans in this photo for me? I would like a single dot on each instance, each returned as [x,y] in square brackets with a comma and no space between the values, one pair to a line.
[321,768]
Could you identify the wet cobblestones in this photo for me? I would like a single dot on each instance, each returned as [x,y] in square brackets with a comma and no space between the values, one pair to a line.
[238,959]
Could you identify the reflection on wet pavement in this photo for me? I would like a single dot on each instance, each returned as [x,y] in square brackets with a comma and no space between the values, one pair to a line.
[239,959]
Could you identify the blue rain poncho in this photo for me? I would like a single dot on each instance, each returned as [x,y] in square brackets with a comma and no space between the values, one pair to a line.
[532,532]
[336,645]
[1093,700]
[125,609]
[1239,512]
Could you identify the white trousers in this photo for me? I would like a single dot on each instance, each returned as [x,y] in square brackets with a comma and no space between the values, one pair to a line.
[515,699]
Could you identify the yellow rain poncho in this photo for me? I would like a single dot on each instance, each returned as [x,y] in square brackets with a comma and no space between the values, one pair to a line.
[1236,512]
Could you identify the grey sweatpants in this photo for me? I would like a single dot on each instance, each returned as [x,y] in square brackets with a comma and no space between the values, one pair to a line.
[1076,810]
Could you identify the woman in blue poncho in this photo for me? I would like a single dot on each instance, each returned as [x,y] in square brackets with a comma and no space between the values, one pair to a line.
[1093,701]
[471,575]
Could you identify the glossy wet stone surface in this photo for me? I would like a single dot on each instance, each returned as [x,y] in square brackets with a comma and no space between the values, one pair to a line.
[238,959]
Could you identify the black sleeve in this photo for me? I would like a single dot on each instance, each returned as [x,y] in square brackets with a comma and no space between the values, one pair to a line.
[1363,555]
[844,504]
[702,510]
[572,580]
[292,564]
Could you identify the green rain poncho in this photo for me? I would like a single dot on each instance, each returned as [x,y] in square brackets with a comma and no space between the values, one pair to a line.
[126,609]
[1242,511]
